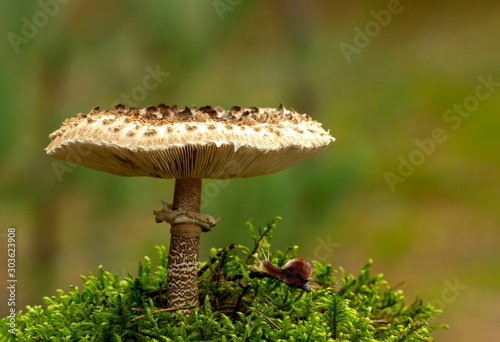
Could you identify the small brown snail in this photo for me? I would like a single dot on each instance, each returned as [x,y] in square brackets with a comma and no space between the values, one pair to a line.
[294,273]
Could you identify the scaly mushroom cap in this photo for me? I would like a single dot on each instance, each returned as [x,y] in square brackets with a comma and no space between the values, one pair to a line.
[167,142]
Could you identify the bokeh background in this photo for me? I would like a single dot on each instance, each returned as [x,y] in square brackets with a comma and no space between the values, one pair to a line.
[435,228]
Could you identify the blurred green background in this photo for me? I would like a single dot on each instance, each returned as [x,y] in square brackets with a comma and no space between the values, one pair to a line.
[436,229]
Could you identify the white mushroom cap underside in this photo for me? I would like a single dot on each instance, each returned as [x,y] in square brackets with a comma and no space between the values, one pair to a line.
[197,147]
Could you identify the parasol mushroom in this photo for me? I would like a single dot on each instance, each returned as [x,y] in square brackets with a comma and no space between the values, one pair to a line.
[187,145]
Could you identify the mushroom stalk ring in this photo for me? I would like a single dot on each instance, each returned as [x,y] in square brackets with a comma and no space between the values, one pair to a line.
[169,215]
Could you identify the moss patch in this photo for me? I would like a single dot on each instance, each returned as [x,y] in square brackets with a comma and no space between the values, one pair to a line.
[236,306]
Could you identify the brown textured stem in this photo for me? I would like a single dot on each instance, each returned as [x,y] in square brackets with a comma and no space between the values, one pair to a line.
[182,278]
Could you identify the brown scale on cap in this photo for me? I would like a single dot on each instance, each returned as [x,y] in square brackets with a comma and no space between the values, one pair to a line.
[166,114]
[120,107]
[116,128]
[108,121]
[150,131]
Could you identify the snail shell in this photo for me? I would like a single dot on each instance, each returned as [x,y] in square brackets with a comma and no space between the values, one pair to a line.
[294,273]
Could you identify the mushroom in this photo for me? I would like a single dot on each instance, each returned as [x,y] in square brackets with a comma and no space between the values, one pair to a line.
[187,145]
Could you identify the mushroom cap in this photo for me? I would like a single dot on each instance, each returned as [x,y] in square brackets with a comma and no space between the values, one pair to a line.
[207,142]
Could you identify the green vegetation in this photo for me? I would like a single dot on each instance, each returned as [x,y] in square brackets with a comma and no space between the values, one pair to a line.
[236,305]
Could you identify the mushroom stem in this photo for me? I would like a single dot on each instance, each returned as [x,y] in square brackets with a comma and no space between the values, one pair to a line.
[182,277]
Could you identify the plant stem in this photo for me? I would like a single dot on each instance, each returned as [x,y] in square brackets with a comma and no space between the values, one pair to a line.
[182,277]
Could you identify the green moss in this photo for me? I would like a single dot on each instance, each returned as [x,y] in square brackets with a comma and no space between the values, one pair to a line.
[237,306]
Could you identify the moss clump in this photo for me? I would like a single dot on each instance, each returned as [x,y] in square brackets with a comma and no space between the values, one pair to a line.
[236,305]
